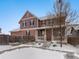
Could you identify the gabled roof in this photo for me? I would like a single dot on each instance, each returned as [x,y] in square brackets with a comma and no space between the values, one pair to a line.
[27,15]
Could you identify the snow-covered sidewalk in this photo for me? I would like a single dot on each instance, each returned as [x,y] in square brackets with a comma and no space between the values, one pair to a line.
[8,48]
[5,47]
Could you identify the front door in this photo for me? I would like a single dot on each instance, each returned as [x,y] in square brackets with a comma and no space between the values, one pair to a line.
[48,34]
[41,35]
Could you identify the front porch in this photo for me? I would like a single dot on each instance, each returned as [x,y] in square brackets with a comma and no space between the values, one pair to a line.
[43,35]
[49,34]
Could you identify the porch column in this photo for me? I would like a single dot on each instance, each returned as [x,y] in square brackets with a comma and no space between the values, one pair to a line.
[66,32]
[52,36]
[37,22]
[65,39]
[45,36]
[36,35]
[45,41]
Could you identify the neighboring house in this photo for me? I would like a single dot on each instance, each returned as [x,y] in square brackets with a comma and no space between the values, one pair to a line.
[73,30]
[44,28]
[73,36]
[4,38]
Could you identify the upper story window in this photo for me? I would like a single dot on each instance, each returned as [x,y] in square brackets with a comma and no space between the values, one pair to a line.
[31,22]
[49,22]
[24,24]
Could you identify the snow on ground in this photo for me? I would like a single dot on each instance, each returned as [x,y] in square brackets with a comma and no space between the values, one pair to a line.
[32,53]
[35,53]
[38,44]
[5,47]
[65,47]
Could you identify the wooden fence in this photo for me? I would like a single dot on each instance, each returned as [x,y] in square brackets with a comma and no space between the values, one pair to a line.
[21,39]
[6,39]
[73,40]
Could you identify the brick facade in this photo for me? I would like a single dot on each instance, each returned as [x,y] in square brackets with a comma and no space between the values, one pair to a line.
[29,24]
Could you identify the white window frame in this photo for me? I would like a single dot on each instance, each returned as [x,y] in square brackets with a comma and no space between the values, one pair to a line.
[31,22]
[24,24]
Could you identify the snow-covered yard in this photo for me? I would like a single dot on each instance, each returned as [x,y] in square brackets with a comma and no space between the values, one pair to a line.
[35,51]
[32,53]
[65,47]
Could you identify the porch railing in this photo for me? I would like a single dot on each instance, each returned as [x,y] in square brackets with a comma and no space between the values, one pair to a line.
[40,38]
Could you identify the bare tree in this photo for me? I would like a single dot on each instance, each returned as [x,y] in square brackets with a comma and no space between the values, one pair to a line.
[63,8]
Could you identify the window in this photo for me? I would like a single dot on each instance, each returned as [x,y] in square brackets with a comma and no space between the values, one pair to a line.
[47,23]
[41,32]
[43,23]
[31,22]
[50,22]
[24,24]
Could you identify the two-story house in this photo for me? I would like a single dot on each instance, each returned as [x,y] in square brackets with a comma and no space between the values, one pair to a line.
[44,28]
